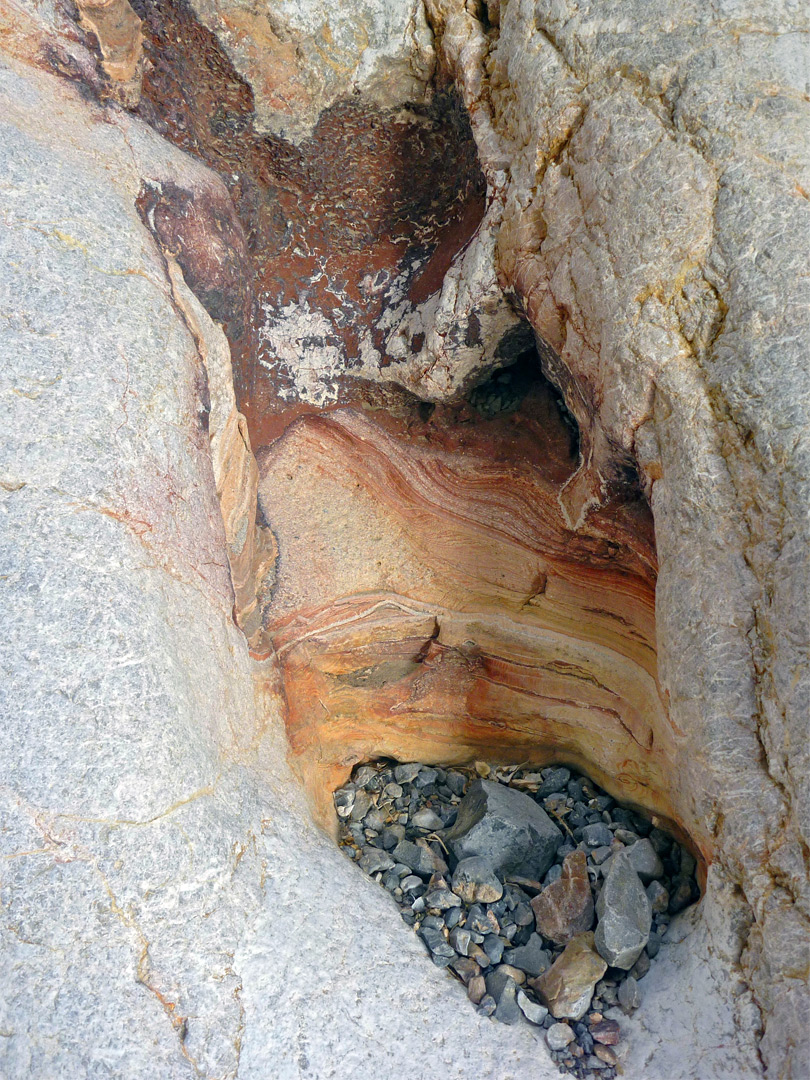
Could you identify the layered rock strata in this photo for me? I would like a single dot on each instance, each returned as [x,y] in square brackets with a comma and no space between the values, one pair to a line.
[642,197]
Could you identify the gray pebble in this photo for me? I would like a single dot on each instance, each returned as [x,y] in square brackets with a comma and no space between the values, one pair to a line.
[374,860]
[405,774]
[427,819]
[597,835]
[533,1012]
[456,781]
[559,1036]
[629,995]
[425,776]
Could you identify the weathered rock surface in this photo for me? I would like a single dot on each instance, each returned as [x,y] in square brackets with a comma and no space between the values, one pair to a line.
[647,179]
[625,915]
[565,908]
[158,855]
[567,987]
[505,828]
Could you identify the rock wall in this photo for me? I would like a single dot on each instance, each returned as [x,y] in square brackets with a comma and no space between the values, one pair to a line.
[453,573]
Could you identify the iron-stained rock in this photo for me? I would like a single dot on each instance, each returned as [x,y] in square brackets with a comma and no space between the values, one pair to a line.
[565,908]
[567,987]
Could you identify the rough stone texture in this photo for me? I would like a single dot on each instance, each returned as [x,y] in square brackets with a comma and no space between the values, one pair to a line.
[624,913]
[153,885]
[567,987]
[565,908]
[300,56]
[656,226]
[505,827]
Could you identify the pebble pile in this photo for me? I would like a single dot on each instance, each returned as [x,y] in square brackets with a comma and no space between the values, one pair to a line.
[541,894]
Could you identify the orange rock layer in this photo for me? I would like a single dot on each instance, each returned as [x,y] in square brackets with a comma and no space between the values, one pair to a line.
[432,605]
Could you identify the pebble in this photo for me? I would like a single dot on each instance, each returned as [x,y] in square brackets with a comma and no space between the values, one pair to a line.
[475,881]
[605,1032]
[645,860]
[629,995]
[534,1012]
[597,835]
[605,1054]
[533,957]
[405,774]
[483,921]
[555,780]
[427,819]
[658,897]
[373,860]
[502,988]
[559,1036]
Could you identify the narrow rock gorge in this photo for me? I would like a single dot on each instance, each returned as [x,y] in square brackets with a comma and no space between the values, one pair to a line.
[421,382]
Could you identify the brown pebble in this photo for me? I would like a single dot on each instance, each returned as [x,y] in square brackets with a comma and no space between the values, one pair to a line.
[476,989]
[604,1053]
[605,1032]
[515,973]
[595,1018]
[577,1051]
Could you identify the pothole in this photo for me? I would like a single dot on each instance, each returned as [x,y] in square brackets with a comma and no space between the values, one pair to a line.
[534,888]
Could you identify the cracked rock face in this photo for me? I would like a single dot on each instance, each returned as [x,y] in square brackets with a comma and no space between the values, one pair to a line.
[617,193]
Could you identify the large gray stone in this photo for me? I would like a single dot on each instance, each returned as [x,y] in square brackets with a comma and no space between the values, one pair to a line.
[505,827]
[624,913]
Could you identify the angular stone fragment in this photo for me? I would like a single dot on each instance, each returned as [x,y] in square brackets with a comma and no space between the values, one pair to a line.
[503,990]
[556,780]
[465,968]
[532,957]
[534,1012]
[438,944]
[559,1036]
[597,835]
[507,828]
[476,989]
[460,940]
[427,819]
[373,860]
[567,987]
[440,899]
[629,995]
[414,856]
[475,881]
[658,897]
[605,1032]
[565,908]
[645,860]
[404,774]
[624,914]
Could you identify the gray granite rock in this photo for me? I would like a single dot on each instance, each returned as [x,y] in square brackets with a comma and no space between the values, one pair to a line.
[507,828]
[624,915]
[645,860]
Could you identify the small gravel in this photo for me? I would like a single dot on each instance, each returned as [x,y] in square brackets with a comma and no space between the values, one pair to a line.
[477,921]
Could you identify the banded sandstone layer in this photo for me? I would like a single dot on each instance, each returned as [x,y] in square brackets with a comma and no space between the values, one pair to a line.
[432,572]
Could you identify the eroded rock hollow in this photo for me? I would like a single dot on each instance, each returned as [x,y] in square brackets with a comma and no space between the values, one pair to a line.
[423,382]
